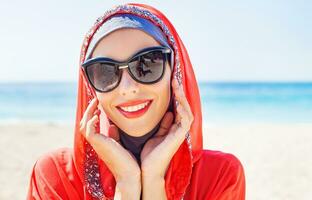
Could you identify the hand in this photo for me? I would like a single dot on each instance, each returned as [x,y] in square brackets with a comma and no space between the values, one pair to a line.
[159,150]
[121,162]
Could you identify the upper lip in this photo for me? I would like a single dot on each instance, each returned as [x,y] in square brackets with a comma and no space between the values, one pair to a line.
[133,102]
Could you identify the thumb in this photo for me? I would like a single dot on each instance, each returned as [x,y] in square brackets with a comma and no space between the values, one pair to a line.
[113,132]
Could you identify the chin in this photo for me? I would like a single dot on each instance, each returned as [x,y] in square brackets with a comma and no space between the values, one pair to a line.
[138,129]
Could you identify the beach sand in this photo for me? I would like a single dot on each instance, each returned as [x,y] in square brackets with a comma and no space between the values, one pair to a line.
[276,157]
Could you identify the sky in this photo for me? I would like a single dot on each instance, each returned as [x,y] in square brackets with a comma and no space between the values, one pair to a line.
[267,40]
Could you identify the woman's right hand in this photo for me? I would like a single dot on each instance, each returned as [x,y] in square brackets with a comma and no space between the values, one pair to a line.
[120,161]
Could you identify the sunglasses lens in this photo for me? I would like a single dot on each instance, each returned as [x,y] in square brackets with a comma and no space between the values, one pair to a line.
[103,76]
[149,67]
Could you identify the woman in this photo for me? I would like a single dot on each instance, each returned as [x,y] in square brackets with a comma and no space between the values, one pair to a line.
[138,130]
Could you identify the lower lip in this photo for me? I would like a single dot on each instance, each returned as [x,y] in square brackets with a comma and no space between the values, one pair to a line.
[135,114]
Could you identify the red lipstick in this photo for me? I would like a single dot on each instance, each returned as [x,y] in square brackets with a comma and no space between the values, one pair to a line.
[134,114]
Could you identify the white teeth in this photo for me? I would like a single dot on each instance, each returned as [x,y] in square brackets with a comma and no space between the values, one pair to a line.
[134,108]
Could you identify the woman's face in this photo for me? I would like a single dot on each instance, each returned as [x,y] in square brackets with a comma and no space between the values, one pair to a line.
[121,45]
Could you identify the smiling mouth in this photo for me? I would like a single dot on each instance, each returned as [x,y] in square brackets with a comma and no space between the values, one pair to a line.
[134,111]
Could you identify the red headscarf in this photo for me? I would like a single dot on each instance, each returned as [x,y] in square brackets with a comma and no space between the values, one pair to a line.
[180,168]
[81,175]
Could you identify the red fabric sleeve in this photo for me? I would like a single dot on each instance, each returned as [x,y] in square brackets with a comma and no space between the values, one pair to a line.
[54,177]
[217,176]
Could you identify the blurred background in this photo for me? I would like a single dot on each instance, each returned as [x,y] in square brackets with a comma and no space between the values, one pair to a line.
[253,61]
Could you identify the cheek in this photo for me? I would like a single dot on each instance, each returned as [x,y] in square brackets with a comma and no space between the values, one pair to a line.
[104,100]
[163,88]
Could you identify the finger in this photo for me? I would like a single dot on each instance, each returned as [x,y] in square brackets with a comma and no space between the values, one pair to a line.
[178,115]
[91,109]
[165,124]
[90,128]
[88,113]
[181,98]
[175,83]
[113,133]
[185,122]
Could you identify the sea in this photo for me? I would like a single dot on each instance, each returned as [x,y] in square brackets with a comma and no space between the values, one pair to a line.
[221,102]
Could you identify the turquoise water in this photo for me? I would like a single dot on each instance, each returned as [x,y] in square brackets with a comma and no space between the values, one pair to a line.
[222,102]
[257,102]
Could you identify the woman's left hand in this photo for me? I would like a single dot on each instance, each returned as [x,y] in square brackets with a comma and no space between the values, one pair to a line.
[159,150]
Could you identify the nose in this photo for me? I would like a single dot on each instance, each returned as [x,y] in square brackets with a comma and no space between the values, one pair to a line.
[127,86]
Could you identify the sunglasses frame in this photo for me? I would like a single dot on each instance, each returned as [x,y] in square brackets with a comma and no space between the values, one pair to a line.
[119,65]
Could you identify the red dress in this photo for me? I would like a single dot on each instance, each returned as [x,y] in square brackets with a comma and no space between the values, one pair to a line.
[193,173]
[215,175]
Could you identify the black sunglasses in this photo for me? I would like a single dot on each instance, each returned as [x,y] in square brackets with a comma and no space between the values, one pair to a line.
[147,66]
